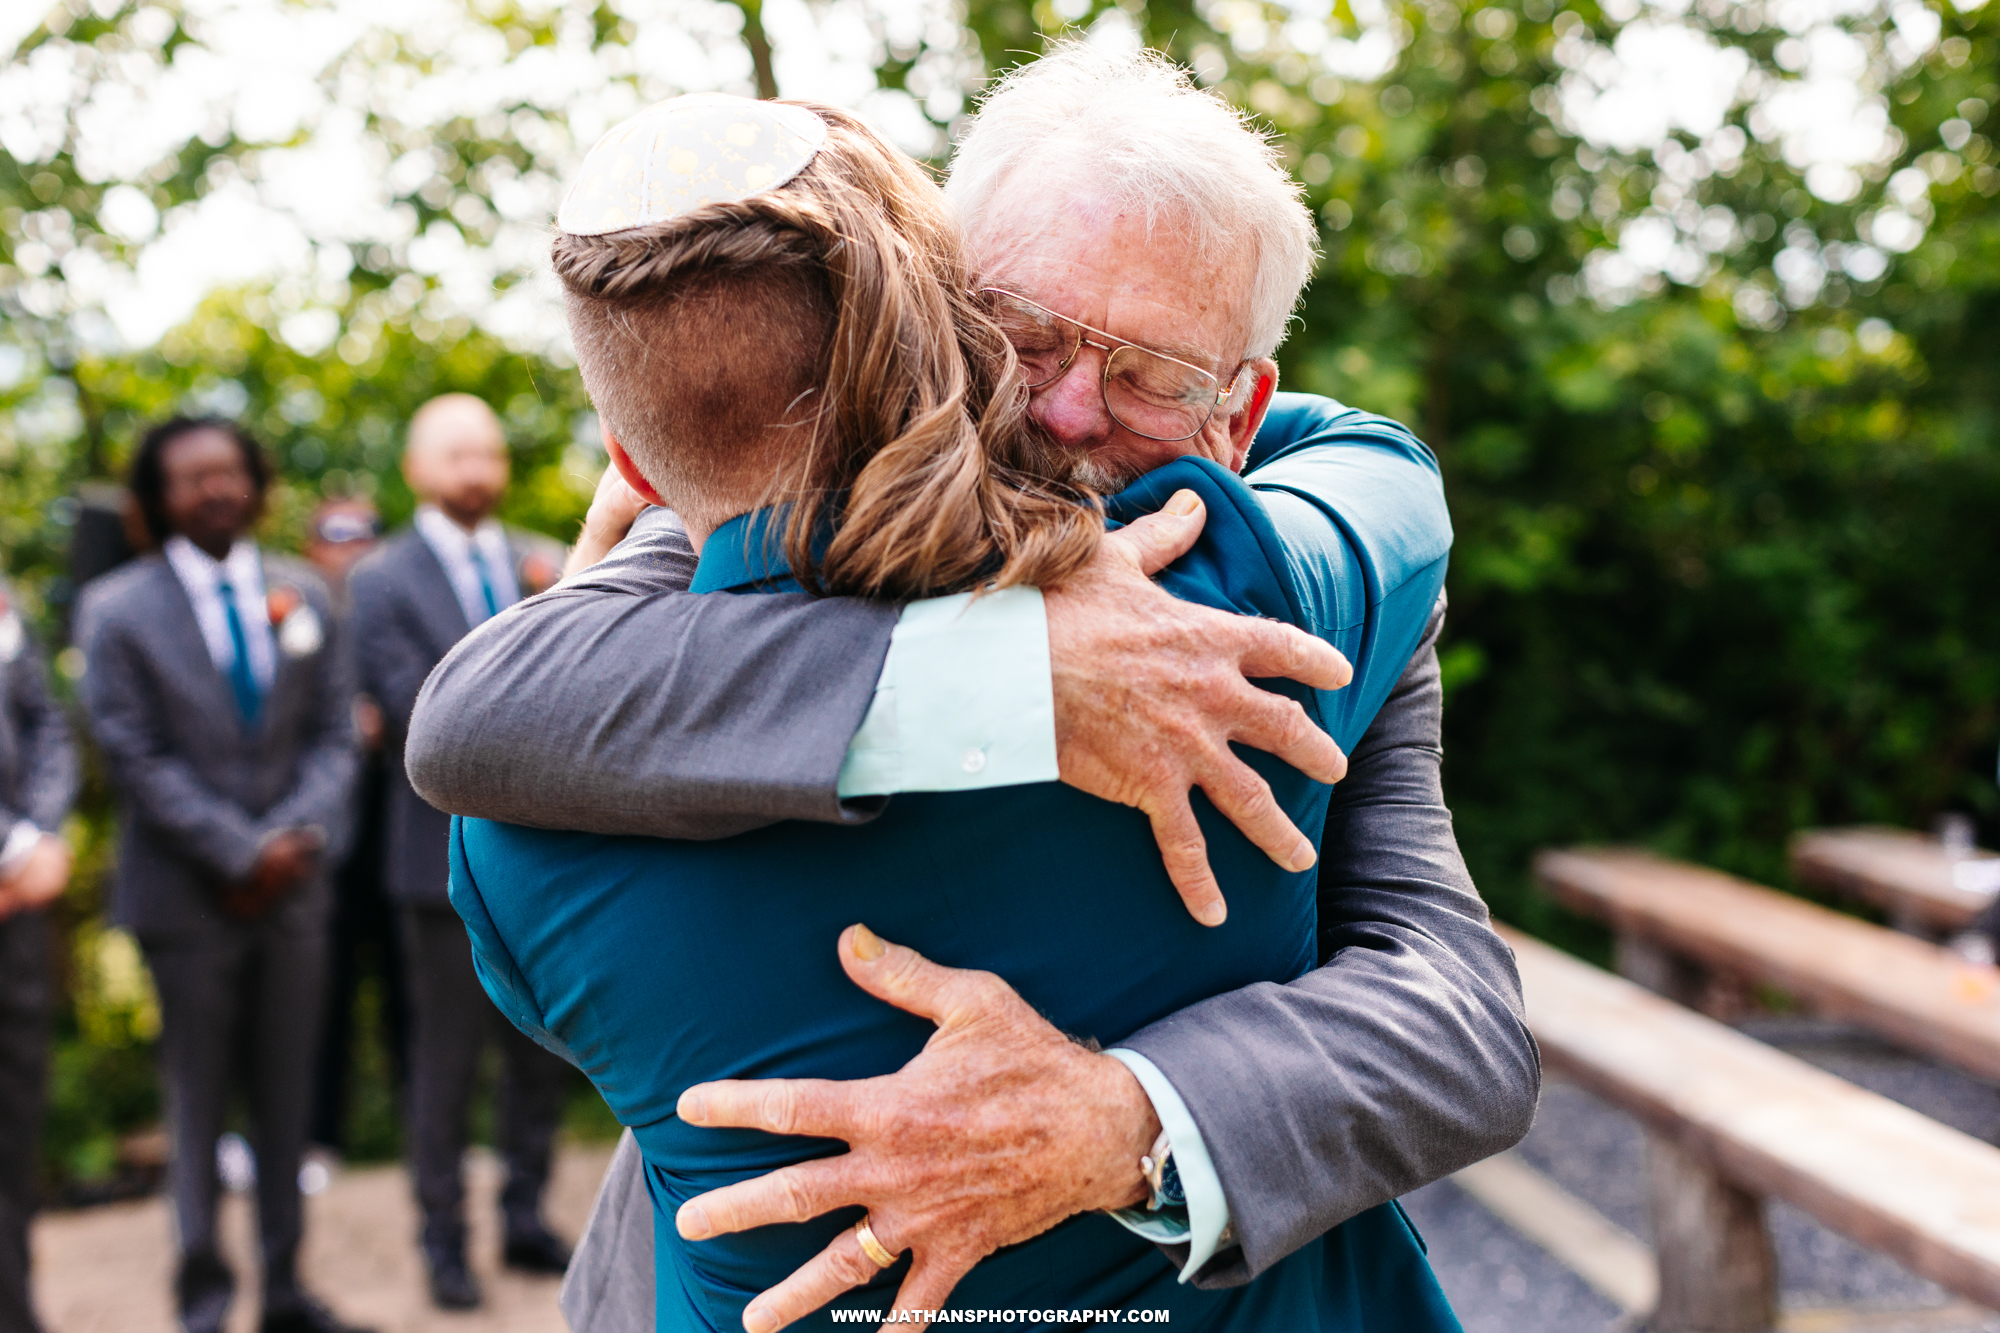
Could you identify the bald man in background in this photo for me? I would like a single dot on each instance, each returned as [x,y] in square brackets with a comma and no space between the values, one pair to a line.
[453,568]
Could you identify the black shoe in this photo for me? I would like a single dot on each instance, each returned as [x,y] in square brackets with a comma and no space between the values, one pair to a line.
[537,1251]
[453,1287]
[300,1313]
[202,1289]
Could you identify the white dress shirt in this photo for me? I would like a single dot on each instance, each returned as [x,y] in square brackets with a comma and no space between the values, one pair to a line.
[202,574]
[455,549]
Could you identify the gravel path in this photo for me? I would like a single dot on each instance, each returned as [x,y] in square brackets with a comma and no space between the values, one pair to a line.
[110,1269]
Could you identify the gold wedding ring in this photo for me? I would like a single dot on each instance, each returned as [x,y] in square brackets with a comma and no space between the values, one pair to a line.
[871,1247]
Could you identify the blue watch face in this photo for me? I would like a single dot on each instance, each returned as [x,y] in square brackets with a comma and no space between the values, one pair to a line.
[1172,1195]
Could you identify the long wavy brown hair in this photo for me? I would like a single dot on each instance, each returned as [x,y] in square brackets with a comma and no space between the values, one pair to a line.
[912,448]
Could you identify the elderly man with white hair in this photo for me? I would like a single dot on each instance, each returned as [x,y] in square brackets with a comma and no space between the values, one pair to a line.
[1127,226]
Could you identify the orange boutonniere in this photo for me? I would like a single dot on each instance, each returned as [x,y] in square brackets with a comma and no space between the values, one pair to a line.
[281,601]
[538,573]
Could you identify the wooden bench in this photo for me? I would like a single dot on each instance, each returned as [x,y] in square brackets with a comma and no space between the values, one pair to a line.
[1925,889]
[1731,1122]
[1679,926]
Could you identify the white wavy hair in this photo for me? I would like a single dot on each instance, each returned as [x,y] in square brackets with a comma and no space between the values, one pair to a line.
[1143,136]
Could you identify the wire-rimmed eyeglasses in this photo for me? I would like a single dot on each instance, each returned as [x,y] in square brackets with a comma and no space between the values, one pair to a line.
[1148,393]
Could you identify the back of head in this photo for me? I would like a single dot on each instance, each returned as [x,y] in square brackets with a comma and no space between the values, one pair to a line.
[1131,129]
[818,344]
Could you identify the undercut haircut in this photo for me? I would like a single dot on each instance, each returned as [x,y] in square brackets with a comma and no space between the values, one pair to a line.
[694,375]
[822,341]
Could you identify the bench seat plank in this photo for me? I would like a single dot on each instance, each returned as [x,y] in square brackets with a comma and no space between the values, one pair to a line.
[1906,874]
[1914,993]
[1877,1172]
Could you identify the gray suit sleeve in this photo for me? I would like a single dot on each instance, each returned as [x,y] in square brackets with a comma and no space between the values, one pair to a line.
[323,796]
[1404,1057]
[164,790]
[739,716]
[48,754]
[385,647]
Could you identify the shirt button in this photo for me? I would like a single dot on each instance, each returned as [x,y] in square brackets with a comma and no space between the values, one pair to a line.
[974,760]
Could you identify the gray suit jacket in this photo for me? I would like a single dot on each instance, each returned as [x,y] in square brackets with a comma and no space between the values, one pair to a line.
[37,757]
[405,617]
[1403,1058]
[201,790]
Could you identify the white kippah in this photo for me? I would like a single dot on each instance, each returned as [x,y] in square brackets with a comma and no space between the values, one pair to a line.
[677,155]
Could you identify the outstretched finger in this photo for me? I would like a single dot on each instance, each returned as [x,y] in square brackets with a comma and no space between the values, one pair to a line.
[1159,539]
[1279,726]
[1272,648]
[1245,800]
[841,1266]
[790,1194]
[816,1107]
[929,1285]
[1185,851]
[905,978]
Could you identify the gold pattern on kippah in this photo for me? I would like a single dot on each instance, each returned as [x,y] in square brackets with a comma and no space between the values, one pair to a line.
[680,154]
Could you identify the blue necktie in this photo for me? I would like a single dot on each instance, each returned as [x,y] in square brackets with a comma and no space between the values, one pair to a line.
[242,681]
[485,580]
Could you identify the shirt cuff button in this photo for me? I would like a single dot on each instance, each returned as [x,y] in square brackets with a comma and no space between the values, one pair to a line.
[974,761]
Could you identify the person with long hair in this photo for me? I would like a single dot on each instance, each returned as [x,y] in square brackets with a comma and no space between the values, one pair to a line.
[778,324]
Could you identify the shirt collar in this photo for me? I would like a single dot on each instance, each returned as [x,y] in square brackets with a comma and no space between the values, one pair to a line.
[746,554]
[240,567]
[439,526]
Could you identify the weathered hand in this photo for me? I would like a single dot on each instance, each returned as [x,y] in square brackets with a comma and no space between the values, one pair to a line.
[41,879]
[613,508]
[1150,690]
[1001,1128]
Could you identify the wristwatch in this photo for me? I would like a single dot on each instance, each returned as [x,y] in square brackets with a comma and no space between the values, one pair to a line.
[1158,1168]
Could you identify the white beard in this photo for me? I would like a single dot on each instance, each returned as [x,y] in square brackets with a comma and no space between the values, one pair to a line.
[1102,479]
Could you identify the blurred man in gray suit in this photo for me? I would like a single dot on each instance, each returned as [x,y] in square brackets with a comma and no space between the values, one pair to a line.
[454,567]
[222,703]
[37,783]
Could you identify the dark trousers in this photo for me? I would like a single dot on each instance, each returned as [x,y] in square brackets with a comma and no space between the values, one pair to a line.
[451,1019]
[364,940]
[239,1003]
[27,1005]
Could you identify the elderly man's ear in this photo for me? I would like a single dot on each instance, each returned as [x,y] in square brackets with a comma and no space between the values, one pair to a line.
[1255,384]
[627,468]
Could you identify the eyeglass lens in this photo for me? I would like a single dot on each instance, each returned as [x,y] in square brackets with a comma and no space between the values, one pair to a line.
[1147,393]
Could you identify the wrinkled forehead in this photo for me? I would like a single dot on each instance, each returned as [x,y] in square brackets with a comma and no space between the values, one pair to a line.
[1148,280]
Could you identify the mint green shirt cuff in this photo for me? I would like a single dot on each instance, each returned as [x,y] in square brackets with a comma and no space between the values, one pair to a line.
[1207,1219]
[964,702]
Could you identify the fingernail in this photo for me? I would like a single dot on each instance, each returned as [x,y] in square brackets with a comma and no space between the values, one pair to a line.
[1303,855]
[867,945]
[693,1107]
[1214,914]
[1184,502]
[692,1220]
[760,1319]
